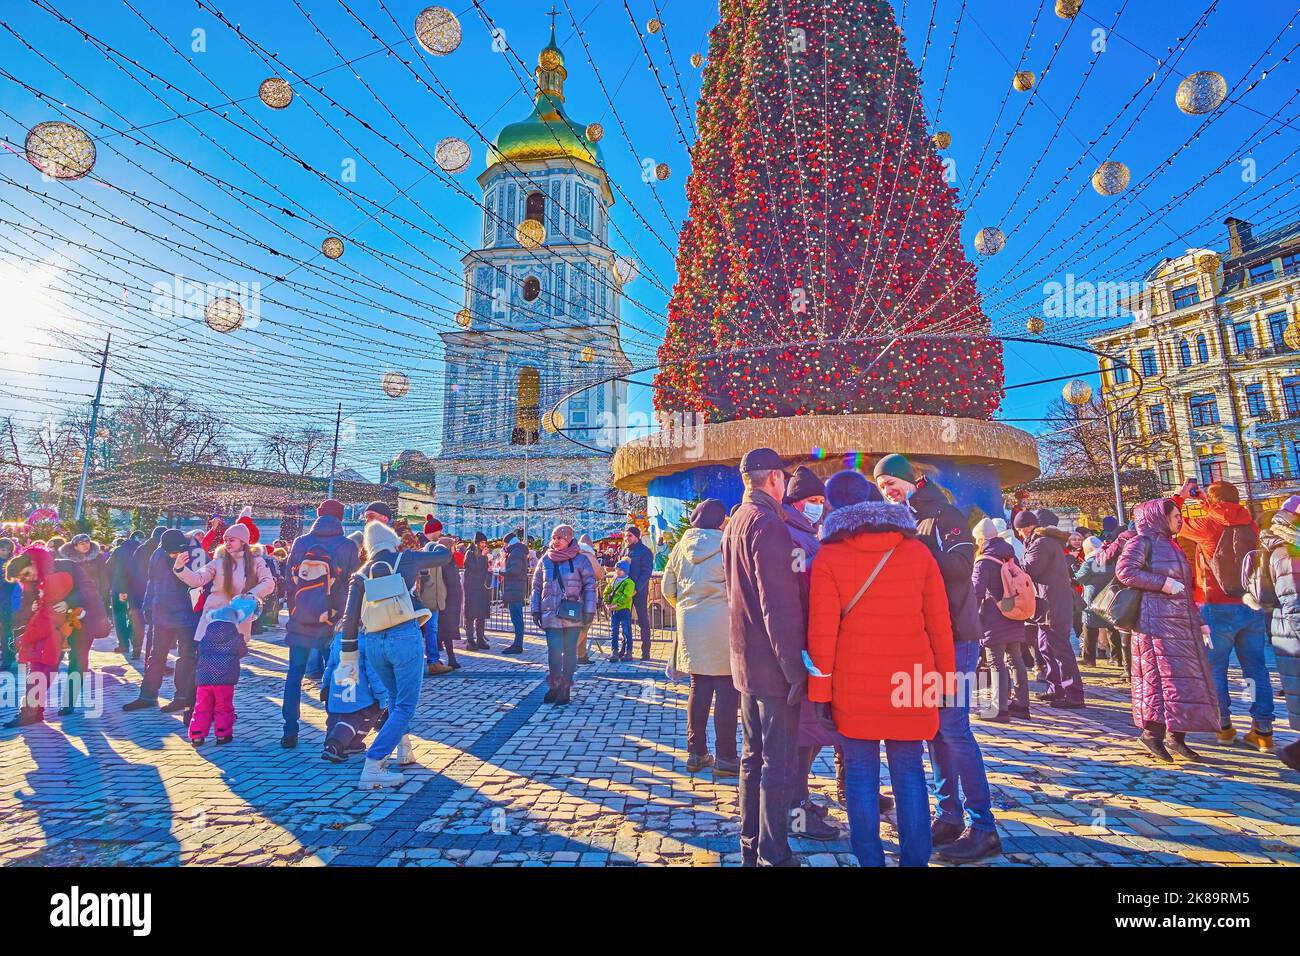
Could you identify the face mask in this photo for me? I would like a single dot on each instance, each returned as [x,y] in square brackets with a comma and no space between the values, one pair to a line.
[813,512]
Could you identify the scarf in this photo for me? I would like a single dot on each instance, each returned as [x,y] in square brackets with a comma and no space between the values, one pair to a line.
[568,553]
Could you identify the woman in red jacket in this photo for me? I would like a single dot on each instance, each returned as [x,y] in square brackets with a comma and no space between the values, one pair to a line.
[880,640]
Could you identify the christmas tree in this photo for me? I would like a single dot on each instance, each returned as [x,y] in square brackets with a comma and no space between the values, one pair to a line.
[820,213]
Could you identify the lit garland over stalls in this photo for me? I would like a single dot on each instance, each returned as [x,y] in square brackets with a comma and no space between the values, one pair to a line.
[819,211]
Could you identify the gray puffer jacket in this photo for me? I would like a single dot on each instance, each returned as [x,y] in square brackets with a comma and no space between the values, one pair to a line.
[572,578]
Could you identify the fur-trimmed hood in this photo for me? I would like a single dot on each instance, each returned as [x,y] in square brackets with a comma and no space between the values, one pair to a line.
[867,516]
[70,552]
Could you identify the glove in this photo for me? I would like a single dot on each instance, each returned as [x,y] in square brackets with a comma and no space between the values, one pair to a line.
[823,712]
[797,691]
[537,619]
[347,672]
[1172,587]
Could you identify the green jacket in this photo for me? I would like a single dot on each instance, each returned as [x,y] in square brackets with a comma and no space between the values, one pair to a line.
[618,594]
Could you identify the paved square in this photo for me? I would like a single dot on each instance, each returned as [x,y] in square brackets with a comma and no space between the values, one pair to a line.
[505,780]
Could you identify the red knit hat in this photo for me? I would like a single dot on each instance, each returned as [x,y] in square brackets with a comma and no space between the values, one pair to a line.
[331,507]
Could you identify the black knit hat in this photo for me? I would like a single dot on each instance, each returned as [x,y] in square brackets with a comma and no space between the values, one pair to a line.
[479,537]
[803,484]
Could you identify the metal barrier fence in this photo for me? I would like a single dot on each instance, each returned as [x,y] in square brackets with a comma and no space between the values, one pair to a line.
[663,617]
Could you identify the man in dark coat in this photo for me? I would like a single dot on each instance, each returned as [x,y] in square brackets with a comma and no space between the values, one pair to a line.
[171,609]
[514,587]
[1049,566]
[643,565]
[478,592]
[127,587]
[954,752]
[449,619]
[142,556]
[768,637]
[316,575]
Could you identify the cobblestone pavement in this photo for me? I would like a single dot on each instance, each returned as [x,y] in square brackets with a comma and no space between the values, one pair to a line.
[503,779]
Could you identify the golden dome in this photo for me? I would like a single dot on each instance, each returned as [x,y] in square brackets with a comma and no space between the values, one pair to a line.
[547,133]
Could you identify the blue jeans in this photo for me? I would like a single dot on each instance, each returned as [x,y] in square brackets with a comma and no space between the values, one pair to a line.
[395,662]
[955,754]
[432,654]
[862,793]
[620,621]
[562,650]
[298,660]
[316,663]
[1237,627]
[517,622]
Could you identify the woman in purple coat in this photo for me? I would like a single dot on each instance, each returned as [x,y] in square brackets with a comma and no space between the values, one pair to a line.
[1173,687]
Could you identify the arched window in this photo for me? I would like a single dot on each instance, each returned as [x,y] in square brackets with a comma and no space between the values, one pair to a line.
[1184,354]
[1202,348]
[527,401]
[532,288]
[535,207]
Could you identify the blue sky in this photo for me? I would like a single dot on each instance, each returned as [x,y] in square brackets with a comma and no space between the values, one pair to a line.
[159,205]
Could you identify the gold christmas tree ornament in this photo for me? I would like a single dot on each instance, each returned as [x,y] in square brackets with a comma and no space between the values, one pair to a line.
[332,247]
[1023,81]
[530,234]
[1201,92]
[438,30]
[60,150]
[653,25]
[1035,325]
[552,422]
[223,314]
[1068,9]
[452,154]
[588,354]
[464,318]
[1110,178]
[594,132]
[1077,392]
[275,92]
[663,171]
[697,60]
[941,139]
[989,241]
[624,269]
[395,384]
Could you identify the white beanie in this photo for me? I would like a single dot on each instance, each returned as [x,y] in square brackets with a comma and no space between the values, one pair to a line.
[1092,544]
[379,537]
[985,530]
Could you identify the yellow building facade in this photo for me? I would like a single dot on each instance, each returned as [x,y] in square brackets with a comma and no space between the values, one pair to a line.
[1213,338]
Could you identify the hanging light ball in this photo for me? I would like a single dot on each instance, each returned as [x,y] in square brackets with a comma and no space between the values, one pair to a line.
[332,247]
[663,171]
[438,30]
[452,154]
[1201,92]
[697,60]
[1035,325]
[588,354]
[60,150]
[275,92]
[1208,262]
[1023,81]
[552,422]
[1077,392]
[594,132]
[653,25]
[989,241]
[223,314]
[395,384]
[1068,9]
[530,234]
[624,268]
[1111,178]
[464,318]
[941,139]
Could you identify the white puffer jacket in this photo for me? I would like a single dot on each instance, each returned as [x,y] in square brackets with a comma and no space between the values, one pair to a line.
[695,584]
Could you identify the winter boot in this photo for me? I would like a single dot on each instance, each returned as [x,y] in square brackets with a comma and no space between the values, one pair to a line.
[566,685]
[375,775]
[1156,745]
[1260,736]
[405,752]
[697,762]
[553,692]
[1177,747]
[971,846]
[1227,733]
[1290,755]
[806,822]
[943,832]
[140,703]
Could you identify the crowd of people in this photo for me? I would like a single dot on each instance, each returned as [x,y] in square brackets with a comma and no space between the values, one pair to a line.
[851,613]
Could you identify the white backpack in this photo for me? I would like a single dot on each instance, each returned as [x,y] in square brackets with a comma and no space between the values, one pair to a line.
[387,602]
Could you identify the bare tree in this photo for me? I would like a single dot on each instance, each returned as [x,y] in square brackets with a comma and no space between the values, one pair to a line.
[1074,440]
[15,476]
[301,451]
[155,422]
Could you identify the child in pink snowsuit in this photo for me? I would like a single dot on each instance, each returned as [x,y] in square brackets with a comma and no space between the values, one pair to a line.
[217,671]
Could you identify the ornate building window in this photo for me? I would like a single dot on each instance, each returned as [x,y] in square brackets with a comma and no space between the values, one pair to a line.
[1202,349]
[1203,409]
[1185,296]
[1243,337]
[1184,354]
[535,207]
